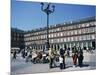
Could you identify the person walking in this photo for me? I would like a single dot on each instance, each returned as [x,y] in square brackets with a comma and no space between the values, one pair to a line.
[62,52]
[80,57]
[61,62]
[29,56]
[14,55]
[68,52]
[74,56]
[51,57]
[23,53]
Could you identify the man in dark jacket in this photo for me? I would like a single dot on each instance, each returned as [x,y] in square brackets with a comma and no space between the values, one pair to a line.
[62,52]
[14,55]
[80,57]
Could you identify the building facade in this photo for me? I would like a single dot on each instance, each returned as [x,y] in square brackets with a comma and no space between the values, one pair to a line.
[17,38]
[75,33]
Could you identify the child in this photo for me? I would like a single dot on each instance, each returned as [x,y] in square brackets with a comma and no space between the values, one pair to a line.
[61,62]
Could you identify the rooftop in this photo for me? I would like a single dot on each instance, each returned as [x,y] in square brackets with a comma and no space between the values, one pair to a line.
[78,21]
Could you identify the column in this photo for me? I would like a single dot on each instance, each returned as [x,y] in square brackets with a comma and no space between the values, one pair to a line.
[82,45]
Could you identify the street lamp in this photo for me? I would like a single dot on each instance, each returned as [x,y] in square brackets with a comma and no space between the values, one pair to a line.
[48,11]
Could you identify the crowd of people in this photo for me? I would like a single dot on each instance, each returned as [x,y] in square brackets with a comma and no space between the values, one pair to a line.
[77,55]
[52,56]
[31,56]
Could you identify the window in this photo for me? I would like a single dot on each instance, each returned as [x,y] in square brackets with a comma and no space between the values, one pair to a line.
[41,36]
[79,26]
[68,27]
[52,40]
[52,30]
[79,38]
[51,35]
[87,24]
[65,40]
[61,34]
[75,38]
[84,37]
[92,23]
[54,34]
[68,38]
[92,29]
[58,34]
[24,39]
[37,37]
[83,30]
[75,32]
[58,40]
[18,35]
[86,30]
[93,36]
[87,37]
[61,40]
[44,36]
[79,31]
[83,25]
[72,39]
[63,28]
[71,32]
[58,29]
[32,38]
[68,33]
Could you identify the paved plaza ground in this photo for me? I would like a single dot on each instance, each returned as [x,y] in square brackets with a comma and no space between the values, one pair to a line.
[19,66]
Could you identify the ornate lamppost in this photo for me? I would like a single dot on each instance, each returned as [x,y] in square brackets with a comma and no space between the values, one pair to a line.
[48,11]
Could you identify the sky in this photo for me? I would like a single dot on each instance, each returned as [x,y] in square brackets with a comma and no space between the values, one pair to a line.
[28,15]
